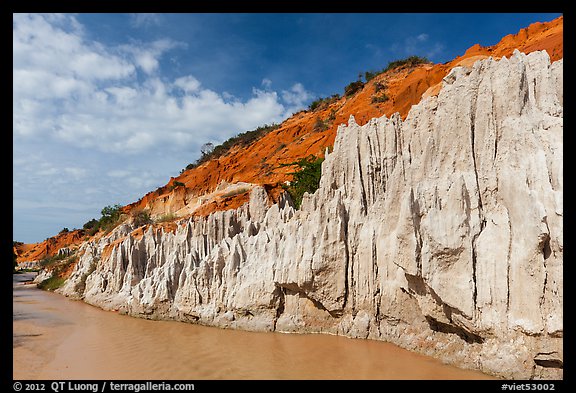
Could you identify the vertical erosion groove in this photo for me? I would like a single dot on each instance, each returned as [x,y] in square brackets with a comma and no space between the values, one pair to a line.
[348,291]
[361,181]
[416,216]
[473,109]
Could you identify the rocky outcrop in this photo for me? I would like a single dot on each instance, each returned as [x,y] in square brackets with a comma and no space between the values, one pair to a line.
[196,191]
[441,233]
[32,265]
[35,252]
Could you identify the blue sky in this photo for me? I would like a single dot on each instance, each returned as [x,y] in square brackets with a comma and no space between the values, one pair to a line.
[107,107]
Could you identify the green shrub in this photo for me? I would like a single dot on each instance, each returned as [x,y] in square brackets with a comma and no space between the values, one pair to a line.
[242,139]
[92,231]
[52,261]
[52,283]
[177,184]
[315,104]
[141,217]
[166,217]
[369,75]
[322,102]
[57,264]
[321,125]
[409,61]
[379,86]
[110,217]
[305,179]
[353,87]
[380,98]
[332,116]
[91,224]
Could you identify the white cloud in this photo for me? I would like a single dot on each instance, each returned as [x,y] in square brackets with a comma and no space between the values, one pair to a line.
[266,83]
[95,124]
[422,37]
[124,96]
[145,20]
[187,83]
[146,56]
[147,61]
[89,96]
[296,97]
[61,50]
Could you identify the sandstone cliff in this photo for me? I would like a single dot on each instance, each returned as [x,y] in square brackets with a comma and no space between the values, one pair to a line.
[441,233]
[216,184]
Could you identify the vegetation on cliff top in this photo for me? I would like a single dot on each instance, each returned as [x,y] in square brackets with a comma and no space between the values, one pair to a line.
[210,152]
[108,221]
[322,102]
[356,86]
[307,177]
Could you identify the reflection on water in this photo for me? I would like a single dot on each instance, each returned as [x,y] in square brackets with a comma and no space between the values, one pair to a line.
[58,338]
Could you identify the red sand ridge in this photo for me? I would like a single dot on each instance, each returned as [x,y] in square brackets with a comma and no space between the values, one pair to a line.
[301,135]
[206,188]
[49,247]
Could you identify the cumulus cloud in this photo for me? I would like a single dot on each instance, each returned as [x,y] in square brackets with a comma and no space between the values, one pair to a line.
[296,97]
[187,83]
[146,56]
[90,95]
[96,124]
[59,50]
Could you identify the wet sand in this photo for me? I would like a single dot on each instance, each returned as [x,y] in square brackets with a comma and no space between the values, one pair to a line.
[58,338]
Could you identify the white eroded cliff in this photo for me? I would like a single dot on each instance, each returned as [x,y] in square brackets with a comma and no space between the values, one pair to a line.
[441,233]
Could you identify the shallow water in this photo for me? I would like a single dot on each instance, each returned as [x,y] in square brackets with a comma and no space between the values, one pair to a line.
[58,338]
